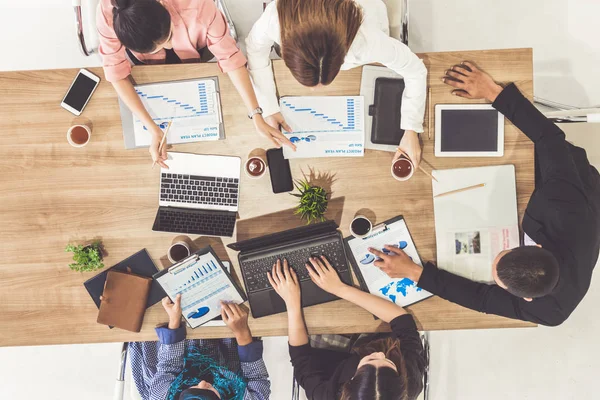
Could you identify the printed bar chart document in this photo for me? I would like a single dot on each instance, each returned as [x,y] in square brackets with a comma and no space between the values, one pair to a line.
[324,126]
[474,225]
[203,283]
[192,106]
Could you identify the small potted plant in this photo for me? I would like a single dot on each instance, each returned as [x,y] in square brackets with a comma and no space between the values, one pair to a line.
[313,201]
[87,258]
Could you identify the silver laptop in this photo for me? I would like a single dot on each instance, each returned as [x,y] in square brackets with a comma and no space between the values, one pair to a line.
[199,194]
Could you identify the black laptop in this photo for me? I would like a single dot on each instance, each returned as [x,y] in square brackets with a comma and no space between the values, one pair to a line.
[258,255]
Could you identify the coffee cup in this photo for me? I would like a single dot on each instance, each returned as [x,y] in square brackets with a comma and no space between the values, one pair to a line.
[255,167]
[178,251]
[360,226]
[79,135]
[402,169]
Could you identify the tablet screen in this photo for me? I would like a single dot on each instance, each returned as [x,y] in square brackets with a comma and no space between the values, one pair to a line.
[469,131]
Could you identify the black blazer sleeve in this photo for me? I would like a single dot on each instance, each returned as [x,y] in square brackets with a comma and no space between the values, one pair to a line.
[490,299]
[411,347]
[558,171]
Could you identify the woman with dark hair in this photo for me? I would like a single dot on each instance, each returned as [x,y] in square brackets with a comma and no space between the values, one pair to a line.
[318,38]
[171,31]
[388,368]
[219,369]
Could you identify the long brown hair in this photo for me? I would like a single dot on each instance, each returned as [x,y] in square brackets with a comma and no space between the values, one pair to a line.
[316,36]
[381,383]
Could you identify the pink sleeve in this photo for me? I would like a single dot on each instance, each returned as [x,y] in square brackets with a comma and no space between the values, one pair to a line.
[114,61]
[219,41]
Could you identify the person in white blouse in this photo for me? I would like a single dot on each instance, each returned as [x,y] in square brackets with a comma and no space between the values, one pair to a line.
[318,38]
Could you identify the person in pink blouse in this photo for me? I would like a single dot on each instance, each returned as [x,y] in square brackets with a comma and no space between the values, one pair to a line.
[171,31]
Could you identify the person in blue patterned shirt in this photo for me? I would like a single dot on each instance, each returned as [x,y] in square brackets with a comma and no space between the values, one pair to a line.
[219,369]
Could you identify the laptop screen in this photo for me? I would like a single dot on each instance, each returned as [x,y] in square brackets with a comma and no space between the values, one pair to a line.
[284,236]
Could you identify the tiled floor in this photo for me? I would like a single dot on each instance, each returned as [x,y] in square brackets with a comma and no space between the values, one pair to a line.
[542,363]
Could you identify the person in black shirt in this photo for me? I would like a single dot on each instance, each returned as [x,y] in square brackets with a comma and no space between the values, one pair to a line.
[382,369]
[543,281]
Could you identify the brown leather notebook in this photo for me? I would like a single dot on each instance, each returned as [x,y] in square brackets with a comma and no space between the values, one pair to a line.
[123,301]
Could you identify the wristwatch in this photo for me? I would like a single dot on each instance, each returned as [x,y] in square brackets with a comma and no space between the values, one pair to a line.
[257,110]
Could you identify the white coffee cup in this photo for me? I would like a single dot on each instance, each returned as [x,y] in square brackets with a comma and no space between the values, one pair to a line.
[73,138]
[185,253]
[360,226]
[407,163]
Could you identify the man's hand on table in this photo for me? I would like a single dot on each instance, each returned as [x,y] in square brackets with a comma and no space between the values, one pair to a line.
[471,83]
[397,264]
[173,310]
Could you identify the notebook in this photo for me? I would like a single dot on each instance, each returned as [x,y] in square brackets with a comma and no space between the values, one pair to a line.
[123,302]
[473,226]
[385,111]
[140,264]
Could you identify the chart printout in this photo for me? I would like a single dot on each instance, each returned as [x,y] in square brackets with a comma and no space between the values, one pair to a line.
[203,284]
[192,107]
[324,126]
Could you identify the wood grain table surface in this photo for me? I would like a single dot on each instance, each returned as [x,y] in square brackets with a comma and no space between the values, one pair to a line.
[52,194]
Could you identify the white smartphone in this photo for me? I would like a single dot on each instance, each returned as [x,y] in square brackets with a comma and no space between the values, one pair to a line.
[80,92]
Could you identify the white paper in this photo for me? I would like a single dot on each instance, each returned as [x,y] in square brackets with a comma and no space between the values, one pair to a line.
[202,284]
[473,226]
[324,126]
[218,321]
[192,107]
[400,291]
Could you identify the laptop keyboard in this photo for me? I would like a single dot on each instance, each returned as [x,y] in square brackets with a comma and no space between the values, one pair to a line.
[255,271]
[196,189]
[197,222]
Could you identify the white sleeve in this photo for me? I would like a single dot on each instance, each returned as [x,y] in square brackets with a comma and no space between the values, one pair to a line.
[398,57]
[258,47]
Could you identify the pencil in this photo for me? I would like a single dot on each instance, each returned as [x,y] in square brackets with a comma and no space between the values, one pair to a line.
[420,167]
[162,141]
[460,190]
[430,116]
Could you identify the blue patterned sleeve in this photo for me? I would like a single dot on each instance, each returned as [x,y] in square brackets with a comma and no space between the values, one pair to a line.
[171,352]
[255,371]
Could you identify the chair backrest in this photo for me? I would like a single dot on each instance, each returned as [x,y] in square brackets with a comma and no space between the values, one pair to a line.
[88,37]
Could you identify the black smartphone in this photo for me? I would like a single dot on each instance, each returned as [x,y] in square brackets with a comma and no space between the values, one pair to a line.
[281,174]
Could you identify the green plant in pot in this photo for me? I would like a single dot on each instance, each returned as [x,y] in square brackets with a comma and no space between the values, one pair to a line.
[87,258]
[313,201]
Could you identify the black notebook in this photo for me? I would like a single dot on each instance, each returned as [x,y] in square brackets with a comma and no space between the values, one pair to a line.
[386,111]
[140,264]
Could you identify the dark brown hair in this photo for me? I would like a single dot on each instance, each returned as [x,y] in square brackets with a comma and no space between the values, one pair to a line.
[382,383]
[141,24]
[528,271]
[316,36]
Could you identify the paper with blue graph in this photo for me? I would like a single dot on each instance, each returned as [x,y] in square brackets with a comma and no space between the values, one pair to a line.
[400,291]
[192,107]
[203,284]
[324,126]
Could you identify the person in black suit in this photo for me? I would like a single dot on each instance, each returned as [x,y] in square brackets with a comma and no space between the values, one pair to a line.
[544,280]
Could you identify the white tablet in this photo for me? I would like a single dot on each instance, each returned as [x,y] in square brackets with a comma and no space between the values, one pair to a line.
[468,130]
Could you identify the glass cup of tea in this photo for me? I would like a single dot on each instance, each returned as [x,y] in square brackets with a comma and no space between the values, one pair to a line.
[79,135]
[255,167]
[178,251]
[402,169]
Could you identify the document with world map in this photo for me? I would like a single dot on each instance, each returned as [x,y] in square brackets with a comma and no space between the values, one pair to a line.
[403,292]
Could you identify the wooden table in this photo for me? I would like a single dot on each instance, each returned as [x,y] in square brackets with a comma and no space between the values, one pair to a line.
[52,194]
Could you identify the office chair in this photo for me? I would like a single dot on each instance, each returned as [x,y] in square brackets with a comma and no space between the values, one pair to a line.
[81,37]
[564,113]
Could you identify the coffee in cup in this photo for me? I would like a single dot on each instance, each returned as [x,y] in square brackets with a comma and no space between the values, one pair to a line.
[360,226]
[402,169]
[178,251]
[255,167]
[79,135]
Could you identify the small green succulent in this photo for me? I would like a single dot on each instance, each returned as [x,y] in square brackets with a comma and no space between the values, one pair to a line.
[313,201]
[87,258]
